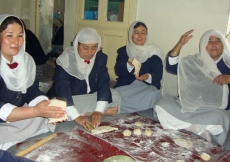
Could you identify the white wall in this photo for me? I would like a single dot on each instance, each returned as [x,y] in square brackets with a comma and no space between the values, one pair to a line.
[24,9]
[70,21]
[167,20]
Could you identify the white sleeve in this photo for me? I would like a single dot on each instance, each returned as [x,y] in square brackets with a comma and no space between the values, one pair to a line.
[173,60]
[37,100]
[129,67]
[149,80]
[5,110]
[101,105]
[72,112]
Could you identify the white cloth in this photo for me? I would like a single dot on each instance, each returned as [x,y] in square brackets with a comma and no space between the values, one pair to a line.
[196,74]
[71,61]
[23,76]
[141,52]
[170,122]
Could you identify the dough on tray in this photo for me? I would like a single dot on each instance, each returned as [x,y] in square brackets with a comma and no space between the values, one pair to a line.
[103,129]
[148,132]
[183,143]
[127,133]
[138,124]
[137,131]
[58,103]
[205,156]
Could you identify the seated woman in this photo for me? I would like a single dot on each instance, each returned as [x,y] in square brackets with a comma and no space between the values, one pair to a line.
[139,70]
[23,107]
[82,78]
[203,103]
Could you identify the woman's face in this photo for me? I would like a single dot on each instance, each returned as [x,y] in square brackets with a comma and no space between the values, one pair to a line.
[11,41]
[87,51]
[215,47]
[139,35]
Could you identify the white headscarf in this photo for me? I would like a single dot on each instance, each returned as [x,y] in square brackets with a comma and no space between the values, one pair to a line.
[196,74]
[23,76]
[71,61]
[141,52]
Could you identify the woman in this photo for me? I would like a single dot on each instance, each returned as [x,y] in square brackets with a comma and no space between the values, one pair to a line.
[23,107]
[139,70]
[203,81]
[82,79]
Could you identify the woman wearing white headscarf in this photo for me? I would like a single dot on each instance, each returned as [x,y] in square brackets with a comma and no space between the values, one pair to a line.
[23,107]
[139,70]
[203,87]
[82,78]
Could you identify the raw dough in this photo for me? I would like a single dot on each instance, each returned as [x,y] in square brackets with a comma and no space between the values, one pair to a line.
[183,143]
[205,156]
[137,131]
[127,133]
[138,124]
[102,129]
[148,132]
[58,103]
[180,161]
[119,158]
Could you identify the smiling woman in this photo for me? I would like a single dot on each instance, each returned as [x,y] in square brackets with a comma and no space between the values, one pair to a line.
[139,70]
[23,107]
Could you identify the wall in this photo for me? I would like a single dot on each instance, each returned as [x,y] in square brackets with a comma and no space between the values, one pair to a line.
[24,9]
[167,20]
[70,21]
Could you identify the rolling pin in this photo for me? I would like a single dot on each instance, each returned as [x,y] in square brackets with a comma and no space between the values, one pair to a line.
[36,145]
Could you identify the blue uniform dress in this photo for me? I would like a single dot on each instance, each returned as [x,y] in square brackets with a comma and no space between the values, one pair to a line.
[17,131]
[7,157]
[75,92]
[201,116]
[137,95]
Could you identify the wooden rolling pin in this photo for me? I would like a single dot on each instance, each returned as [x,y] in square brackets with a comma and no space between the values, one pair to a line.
[36,145]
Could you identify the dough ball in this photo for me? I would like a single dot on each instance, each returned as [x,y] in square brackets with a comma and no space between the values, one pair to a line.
[127,133]
[148,132]
[180,161]
[138,124]
[137,131]
[183,143]
[205,156]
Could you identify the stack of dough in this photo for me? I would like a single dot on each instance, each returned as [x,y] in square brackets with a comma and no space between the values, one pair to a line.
[58,103]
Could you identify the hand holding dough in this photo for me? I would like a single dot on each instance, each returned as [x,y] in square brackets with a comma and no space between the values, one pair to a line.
[58,103]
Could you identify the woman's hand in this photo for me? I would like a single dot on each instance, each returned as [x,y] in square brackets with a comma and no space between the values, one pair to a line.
[96,118]
[142,77]
[222,79]
[85,122]
[43,110]
[183,40]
